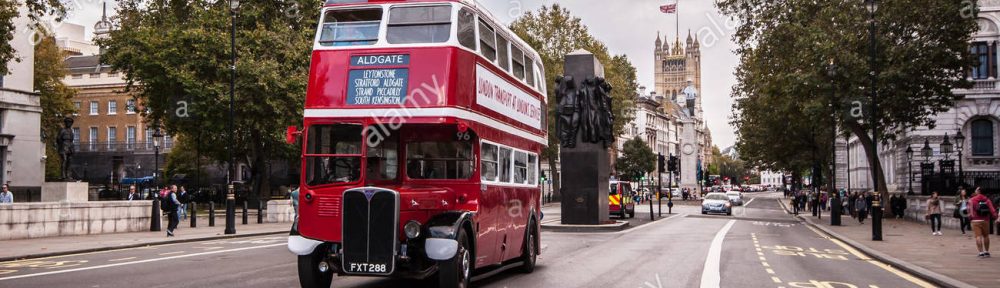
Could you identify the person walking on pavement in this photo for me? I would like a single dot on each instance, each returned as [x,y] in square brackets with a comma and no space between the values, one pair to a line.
[182,197]
[861,209]
[981,212]
[962,211]
[934,213]
[5,195]
[170,207]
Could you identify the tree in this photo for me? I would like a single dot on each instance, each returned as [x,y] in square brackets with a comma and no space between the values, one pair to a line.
[637,160]
[36,9]
[735,169]
[171,51]
[55,97]
[785,94]
[554,32]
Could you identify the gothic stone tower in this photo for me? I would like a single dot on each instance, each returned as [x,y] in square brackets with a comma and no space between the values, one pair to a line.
[676,65]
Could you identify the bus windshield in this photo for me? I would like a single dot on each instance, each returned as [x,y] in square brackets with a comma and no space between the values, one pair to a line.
[333,154]
[351,27]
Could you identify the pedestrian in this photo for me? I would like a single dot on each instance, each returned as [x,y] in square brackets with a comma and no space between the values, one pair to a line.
[981,212]
[962,211]
[861,209]
[132,195]
[902,205]
[893,204]
[6,196]
[182,197]
[822,201]
[294,196]
[795,205]
[934,213]
[851,202]
[170,205]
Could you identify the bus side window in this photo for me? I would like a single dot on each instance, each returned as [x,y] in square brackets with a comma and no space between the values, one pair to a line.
[529,70]
[503,56]
[518,58]
[487,41]
[467,28]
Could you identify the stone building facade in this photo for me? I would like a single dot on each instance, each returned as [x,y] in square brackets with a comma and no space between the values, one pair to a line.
[22,152]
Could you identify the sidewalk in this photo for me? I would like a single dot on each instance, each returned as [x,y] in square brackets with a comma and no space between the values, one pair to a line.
[949,260]
[55,246]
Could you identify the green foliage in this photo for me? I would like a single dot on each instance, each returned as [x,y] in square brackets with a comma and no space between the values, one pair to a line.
[637,160]
[171,51]
[183,160]
[55,97]
[735,169]
[36,9]
[802,62]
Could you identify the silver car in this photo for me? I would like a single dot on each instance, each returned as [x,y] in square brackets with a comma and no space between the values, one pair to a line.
[735,197]
[716,203]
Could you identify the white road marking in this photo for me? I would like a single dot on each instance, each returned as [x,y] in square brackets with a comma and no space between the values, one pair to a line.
[710,275]
[121,259]
[137,262]
[171,253]
[748,202]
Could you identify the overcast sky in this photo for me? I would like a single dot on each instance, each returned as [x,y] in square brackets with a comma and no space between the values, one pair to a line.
[627,27]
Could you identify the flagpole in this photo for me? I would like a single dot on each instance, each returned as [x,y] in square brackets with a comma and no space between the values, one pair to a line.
[677,18]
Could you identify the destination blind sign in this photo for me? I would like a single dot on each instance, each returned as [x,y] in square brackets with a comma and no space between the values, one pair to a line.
[378,86]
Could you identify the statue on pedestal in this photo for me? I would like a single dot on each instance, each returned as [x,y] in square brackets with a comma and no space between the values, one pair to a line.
[64,144]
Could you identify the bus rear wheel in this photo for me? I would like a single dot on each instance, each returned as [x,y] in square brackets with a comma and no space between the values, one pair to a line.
[530,254]
[457,272]
[309,274]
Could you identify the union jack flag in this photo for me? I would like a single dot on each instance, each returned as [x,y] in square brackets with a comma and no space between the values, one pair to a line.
[669,8]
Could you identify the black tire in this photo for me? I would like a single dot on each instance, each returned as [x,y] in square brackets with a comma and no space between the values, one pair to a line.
[703,212]
[309,274]
[729,213]
[457,272]
[530,253]
[631,214]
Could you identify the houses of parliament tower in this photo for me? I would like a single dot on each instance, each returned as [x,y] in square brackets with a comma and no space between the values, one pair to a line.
[675,65]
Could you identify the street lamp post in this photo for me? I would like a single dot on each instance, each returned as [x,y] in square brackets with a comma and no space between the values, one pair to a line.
[872,6]
[835,202]
[926,152]
[960,144]
[155,219]
[234,6]
[909,165]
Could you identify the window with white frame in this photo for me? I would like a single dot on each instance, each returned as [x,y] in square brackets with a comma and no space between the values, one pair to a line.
[149,138]
[532,169]
[130,106]
[112,136]
[130,137]
[76,106]
[505,155]
[94,106]
[487,41]
[489,170]
[520,167]
[92,138]
[112,107]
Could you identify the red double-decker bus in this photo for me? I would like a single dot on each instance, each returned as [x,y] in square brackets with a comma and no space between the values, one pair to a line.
[423,125]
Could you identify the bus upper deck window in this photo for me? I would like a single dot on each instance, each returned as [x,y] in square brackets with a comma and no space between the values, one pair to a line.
[351,27]
[467,28]
[487,41]
[419,24]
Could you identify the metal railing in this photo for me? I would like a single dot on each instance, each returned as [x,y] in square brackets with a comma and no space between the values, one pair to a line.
[948,185]
[121,146]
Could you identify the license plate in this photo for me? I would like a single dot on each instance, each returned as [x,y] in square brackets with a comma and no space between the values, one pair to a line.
[367,268]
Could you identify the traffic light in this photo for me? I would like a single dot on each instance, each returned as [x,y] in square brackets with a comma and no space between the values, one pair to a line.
[672,164]
[661,163]
[543,177]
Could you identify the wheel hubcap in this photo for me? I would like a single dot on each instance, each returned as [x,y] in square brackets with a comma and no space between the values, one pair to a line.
[465,265]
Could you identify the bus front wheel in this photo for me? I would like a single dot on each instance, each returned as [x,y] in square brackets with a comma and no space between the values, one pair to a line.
[309,274]
[456,272]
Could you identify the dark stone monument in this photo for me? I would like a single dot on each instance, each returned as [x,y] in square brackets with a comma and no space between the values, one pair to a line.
[584,129]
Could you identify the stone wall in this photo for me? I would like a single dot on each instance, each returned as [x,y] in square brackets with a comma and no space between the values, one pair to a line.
[280,211]
[916,207]
[35,220]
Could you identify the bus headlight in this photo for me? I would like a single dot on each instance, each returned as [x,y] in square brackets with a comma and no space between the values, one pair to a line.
[412,229]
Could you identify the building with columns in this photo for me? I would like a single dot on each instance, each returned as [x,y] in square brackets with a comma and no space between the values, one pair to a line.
[976,116]
[22,152]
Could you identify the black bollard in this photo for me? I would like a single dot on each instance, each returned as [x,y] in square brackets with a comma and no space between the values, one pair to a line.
[876,220]
[260,211]
[154,222]
[194,215]
[231,210]
[211,213]
[836,208]
[244,212]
